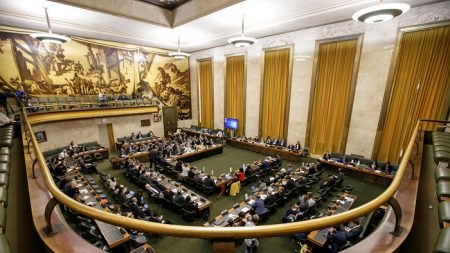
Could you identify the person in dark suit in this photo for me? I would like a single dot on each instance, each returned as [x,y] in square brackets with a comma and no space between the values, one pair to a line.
[265,165]
[209,182]
[290,184]
[168,194]
[153,157]
[190,205]
[179,199]
[354,231]
[292,214]
[276,142]
[178,167]
[297,146]
[335,240]
[270,199]
[327,156]
[388,168]
[283,143]
[191,173]
[135,209]
[258,206]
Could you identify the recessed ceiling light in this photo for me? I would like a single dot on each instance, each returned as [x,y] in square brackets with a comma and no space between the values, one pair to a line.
[381,12]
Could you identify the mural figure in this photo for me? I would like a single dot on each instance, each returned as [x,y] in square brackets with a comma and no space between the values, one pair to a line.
[86,68]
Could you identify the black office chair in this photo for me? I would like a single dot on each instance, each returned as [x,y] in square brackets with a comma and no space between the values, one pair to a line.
[167,204]
[98,156]
[190,181]
[178,208]
[272,207]
[87,159]
[188,216]
[208,190]
[245,182]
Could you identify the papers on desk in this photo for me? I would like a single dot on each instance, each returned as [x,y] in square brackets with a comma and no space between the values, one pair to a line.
[232,216]
[85,197]
[348,199]
[378,171]
[84,191]
[174,190]
[263,196]
[250,202]
[91,203]
[245,209]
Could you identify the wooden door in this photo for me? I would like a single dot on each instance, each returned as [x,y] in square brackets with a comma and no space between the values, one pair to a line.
[170,119]
[112,142]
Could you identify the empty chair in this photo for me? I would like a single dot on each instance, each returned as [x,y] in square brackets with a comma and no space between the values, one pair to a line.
[3,196]
[208,190]
[87,158]
[442,244]
[98,156]
[2,219]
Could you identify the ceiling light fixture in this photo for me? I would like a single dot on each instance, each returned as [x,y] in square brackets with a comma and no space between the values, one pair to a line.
[50,37]
[242,41]
[178,54]
[381,12]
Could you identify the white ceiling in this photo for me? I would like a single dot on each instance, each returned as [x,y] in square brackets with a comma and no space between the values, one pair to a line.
[262,18]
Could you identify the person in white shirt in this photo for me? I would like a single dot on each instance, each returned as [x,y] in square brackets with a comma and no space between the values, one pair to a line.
[63,154]
[112,183]
[186,169]
[4,120]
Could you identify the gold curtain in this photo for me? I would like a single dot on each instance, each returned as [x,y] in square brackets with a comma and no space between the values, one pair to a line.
[330,109]
[275,93]
[206,94]
[420,84]
[235,91]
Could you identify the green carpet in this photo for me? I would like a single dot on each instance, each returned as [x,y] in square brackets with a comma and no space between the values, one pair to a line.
[233,157]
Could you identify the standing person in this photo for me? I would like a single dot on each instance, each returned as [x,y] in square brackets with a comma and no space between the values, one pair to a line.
[153,157]
[251,245]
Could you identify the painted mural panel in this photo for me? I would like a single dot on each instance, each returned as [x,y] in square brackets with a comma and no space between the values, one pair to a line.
[86,67]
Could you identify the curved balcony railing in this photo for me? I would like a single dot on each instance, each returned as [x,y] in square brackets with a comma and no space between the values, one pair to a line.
[221,233]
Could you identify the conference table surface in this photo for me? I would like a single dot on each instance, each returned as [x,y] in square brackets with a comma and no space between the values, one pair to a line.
[187,157]
[357,168]
[111,233]
[263,148]
[166,183]
[319,237]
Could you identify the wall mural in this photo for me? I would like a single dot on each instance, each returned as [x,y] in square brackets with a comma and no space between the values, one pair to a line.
[87,67]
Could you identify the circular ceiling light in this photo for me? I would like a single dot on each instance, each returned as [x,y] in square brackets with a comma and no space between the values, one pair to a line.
[178,54]
[381,12]
[50,37]
[242,41]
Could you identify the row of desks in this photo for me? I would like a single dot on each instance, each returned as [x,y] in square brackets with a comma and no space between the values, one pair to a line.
[188,157]
[190,131]
[319,237]
[166,183]
[138,142]
[267,149]
[246,206]
[357,169]
[111,233]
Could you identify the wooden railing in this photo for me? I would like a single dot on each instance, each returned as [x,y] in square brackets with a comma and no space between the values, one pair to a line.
[222,234]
